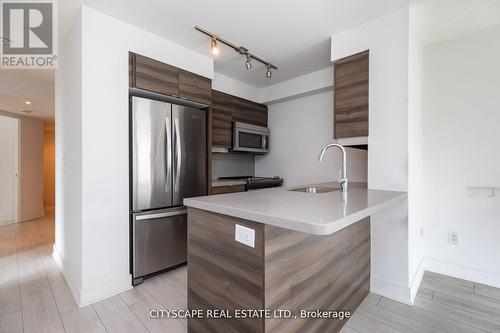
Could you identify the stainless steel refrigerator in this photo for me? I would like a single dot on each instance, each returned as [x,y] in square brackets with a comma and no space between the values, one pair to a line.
[168,164]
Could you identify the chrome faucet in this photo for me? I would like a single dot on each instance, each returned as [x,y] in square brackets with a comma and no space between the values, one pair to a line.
[343,175]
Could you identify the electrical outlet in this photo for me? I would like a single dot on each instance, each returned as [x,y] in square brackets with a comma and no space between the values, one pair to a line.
[453,238]
[244,235]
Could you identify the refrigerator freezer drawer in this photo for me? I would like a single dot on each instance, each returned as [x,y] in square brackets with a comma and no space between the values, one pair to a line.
[159,240]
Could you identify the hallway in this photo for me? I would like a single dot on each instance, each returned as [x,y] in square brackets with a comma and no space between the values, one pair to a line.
[34,296]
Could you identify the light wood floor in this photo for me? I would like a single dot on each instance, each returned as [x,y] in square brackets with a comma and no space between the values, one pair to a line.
[34,297]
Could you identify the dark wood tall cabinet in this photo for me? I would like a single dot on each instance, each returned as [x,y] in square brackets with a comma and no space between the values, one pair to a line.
[351,79]
[221,120]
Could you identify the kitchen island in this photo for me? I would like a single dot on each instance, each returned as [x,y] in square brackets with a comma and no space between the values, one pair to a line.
[279,249]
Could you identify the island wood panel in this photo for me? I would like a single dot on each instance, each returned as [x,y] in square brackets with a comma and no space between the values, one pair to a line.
[195,87]
[222,273]
[221,120]
[227,189]
[351,89]
[249,112]
[155,76]
[305,271]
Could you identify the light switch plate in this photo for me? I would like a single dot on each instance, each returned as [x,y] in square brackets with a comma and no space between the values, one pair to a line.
[244,235]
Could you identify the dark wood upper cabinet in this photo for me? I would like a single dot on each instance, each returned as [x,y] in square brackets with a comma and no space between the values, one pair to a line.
[131,69]
[195,88]
[351,78]
[226,109]
[155,76]
[221,120]
[249,112]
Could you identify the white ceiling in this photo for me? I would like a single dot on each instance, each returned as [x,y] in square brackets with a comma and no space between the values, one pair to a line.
[295,35]
[36,86]
[446,19]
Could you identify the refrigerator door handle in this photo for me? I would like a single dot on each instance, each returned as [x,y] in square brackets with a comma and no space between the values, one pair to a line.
[160,215]
[178,150]
[168,155]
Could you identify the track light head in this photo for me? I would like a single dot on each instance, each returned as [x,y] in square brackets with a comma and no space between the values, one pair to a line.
[248,63]
[213,46]
[215,39]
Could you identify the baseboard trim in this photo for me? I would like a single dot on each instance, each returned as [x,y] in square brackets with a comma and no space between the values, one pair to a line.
[417,279]
[63,268]
[473,274]
[84,297]
[98,293]
[7,219]
[389,289]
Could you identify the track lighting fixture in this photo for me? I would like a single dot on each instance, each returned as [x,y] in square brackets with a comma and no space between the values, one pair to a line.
[248,63]
[240,49]
[213,46]
[268,73]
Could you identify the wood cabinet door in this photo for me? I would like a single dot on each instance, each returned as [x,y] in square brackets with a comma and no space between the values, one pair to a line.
[131,69]
[221,120]
[195,87]
[351,76]
[249,112]
[156,76]
[227,189]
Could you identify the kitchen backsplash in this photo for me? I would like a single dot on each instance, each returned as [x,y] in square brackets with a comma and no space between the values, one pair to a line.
[230,165]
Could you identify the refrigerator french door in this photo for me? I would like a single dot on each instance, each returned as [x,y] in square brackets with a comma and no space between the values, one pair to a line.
[168,153]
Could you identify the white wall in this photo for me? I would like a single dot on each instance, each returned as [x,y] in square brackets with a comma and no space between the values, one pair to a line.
[299,129]
[48,166]
[387,38]
[461,144]
[415,145]
[304,85]
[230,165]
[96,170]
[234,87]
[9,137]
[68,111]
[31,169]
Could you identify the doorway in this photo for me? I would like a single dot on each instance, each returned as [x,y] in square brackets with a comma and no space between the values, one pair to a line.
[9,170]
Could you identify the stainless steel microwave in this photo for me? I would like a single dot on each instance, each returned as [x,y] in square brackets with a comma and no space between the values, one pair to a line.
[250,138]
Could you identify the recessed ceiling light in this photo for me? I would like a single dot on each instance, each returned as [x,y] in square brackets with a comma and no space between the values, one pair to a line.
[27,102]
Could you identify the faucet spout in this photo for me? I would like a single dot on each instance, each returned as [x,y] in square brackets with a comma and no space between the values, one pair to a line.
[343,175]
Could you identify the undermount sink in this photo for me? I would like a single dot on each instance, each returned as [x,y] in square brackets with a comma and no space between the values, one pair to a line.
[316,189]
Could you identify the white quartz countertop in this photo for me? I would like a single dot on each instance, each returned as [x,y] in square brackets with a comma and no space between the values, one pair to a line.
[318,214]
